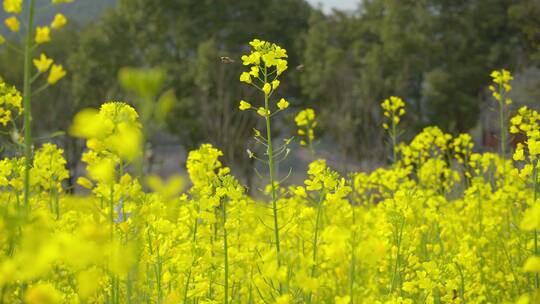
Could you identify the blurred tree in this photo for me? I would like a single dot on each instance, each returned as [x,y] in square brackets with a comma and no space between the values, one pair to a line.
[330,77]
[219,117]
[353,62]
[200,55]
[436,54]
[468,40]
[525,18]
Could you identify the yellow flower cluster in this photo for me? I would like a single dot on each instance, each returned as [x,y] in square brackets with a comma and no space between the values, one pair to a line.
[49,168]
[10,103]
[500,89]
[502,80]
[394,109]
[306,122]
[386,237]
[113,137]
[266,62]
[462,147]
[526,122]
[442,224]
[431,143]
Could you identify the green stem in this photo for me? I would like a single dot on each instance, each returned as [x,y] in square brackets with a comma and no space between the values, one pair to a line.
[353,259]
[56,202]
[187,286]
[535,190]
[462,284]
[311,149]
[272,178]
[503,130]
[27,103]
[394,141]
[226,256]
[111,211]
[117,294]
[4,288]
[111,219]
[40,89]
[315,241]
[399,236]
[140,162]
[158,272]
[35,77]
[194,240]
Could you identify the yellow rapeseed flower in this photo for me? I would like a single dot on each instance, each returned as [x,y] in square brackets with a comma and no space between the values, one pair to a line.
[13,24]
[275,84]
[102,171]
[43,34]
[263,112]
[532,264]
[85,182]
[245,77]
[13,6]
[534,147]
[126,143]
[59,21]
[283,104]
[43,63]
[57,72]
[519,153]
[43,294]
[267,88]
[244,105]
[89,124]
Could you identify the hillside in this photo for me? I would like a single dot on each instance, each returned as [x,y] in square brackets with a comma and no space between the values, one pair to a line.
[81,11]
[87,10]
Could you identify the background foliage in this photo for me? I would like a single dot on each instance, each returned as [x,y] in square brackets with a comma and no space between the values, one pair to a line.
[433,53]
